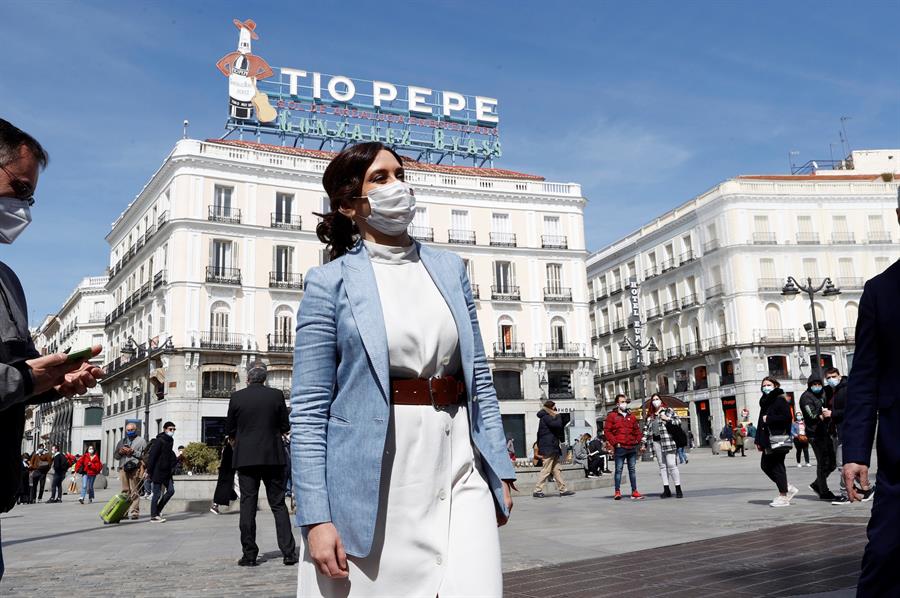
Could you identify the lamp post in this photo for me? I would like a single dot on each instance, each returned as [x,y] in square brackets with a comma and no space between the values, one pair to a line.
[637,348]
[827,288]
[132,348]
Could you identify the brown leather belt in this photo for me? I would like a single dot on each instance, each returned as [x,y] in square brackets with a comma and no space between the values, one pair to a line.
[437,392]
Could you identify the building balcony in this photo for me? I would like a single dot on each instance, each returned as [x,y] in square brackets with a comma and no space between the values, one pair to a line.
[558,294]
[461,237]
[807,238]
[616,288]
[286,221]
[560,350]
[850,334]
[217,393]
[673,353]
[719,342]
[879,236]
[717,290]
[687,257]
[620,366]
[476,293]
[421,233]
[650,272]
[603,331]
[689,301]
[219,275]
[653,313]
[825,334]
[764,239]
[850,284]
[509,350]
[619,325]
[669,264]
[770,285]
[671,307]
[711,246]
[554,242]
[606,370]
[503,239]
[776,336]
[220,214]
[221,341]
[280,343]
[285,280]
[159,279]
[505,293]
[843,238]
[693,348]
[601,294]
[96,317]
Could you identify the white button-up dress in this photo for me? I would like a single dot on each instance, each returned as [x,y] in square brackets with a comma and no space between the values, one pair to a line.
[436,533]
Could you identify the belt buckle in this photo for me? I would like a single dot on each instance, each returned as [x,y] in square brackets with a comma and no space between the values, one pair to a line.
[431,395]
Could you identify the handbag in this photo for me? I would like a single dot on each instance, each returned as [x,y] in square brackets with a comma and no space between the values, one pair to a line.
[677,434]
[802,438]
[780,443]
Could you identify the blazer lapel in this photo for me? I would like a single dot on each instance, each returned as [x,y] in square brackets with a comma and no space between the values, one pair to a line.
[362,290]
[447,281]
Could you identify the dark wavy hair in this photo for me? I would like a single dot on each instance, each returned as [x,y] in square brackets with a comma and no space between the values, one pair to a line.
[343,180]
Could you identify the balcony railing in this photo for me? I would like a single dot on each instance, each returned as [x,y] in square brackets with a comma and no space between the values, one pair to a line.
[505,293]
[825,334]
[671,307]
[711,246]
[476,293]
[280,343]
[620,366]
[223,275]
[879,236]
[561,350]
[850,284]
[770,285]
[653,312]
[619,325]
[461,237]
[764,239]
[554,242]
[843,238]
[97,316]
[689,301]
[285,280]
[616,288]
[807,238]
[287,221]
[421,233]
[776,335]
[224,341]
[159,279]
[719,342]
[557,294]
[509,350]
[217,393]
[503,239]
[603,331]
[220,214]
[717,290]
[692,348]
[669,264]
[850,334]
[687,257]
[673,353]
[650,272]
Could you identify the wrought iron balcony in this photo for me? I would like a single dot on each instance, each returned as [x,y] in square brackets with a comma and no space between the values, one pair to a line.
[554,242]
[850,284]
[770,285]
[603,331]
[719,342]
[850,334]
[711,246]
[671,307]
[461,237]
[561,350]
[285,280]
[223,275]
[689,301]
[764,239]
[97,316]
[825,334]
[619,325]
[221,214]
[280,343]
[159,279]
[503,239]
[776,336]
[558,294]
[286,221]
[879,236]
[717,290]
[221,340]
[653,312]
[687,257]
[668,264]
[650,272]
[217,393]
[807,238]
[509,350]
[421,233]
[505,293]
[673,353]
[843,238]
[692,348]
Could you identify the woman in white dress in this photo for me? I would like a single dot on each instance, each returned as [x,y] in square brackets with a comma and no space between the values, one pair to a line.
[399,458]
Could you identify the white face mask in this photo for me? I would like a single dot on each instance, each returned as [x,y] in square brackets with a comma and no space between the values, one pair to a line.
[623,407]
[91,451]
[170,433]
[393,208]
[657,403]
[15,215]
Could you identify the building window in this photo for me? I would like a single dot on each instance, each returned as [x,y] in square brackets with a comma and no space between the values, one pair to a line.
[681,381]
[514,427]
[218,384]
[93,416]
[700,380]
[284,204]
[778,366]
[662,384]
[212,431]
[284,263]
[554,278]
[558,335]
[218,320]
[508,385]
[504,276]
[280,379]
[222,256]
[726,373]
[559,385]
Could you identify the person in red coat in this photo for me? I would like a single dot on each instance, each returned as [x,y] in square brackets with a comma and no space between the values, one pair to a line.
[624,440]
[89,466]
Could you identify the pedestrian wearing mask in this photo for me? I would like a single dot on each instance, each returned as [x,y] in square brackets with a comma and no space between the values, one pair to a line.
[60,466]
[161,468]
[624,442]
[551,432]
[664,448]
[801,440]
[90,467]
[129,452]
[836,400]
[727,436]
[580,453]
[817,419]
[40,467]
[773,439]
[739,439]
[399,455]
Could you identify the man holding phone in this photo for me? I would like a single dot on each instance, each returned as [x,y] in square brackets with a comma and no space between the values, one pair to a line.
[26,377]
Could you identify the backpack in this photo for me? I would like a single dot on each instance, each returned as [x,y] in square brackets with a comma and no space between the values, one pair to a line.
[677,434]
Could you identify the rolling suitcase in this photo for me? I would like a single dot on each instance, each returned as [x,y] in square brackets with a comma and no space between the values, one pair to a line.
[116,508]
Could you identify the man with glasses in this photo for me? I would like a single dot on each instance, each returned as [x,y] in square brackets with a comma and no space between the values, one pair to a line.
[26,377]
[161,468]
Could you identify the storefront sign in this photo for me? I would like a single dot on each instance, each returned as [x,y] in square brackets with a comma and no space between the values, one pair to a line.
[306,105]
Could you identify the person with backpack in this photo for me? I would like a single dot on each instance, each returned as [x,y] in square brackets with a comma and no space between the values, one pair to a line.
[660,429]
[89,466]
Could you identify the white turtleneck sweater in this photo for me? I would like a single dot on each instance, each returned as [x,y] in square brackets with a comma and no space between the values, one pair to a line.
[422,337]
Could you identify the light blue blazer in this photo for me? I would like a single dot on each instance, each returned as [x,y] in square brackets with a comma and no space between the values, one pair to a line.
[341,385]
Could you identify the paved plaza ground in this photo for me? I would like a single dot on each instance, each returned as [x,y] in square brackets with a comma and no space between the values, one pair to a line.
[722,537]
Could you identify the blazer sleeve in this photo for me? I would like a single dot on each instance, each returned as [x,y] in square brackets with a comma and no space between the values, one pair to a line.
[861,411]
[315,371]
[231,420]
[484,389]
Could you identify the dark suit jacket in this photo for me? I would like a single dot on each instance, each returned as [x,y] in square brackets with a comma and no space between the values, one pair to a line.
[257,417]
[874,381]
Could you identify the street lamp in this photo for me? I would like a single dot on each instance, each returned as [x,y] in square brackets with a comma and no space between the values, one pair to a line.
[650,346]
[827,288]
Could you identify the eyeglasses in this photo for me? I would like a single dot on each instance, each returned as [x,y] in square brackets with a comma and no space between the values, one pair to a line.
[23,190]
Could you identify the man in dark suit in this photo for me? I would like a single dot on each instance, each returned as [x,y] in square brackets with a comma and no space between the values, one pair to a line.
[257,419]
[872,398]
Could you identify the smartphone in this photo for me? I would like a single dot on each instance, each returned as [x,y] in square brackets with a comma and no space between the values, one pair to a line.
[81,355]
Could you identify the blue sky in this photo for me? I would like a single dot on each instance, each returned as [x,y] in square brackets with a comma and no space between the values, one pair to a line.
[646,104]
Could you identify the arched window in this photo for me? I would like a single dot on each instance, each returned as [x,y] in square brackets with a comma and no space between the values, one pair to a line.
[721,327]
[219,321]
[773,318]
[851,310]
[506,333]
[557,334]
[700,380]
[284,323]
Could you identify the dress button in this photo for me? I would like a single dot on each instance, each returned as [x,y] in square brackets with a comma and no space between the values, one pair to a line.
[439,559]
[443,494]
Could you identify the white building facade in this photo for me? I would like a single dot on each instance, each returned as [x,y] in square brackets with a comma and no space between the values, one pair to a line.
[711,274]
[206,274]
[74,423]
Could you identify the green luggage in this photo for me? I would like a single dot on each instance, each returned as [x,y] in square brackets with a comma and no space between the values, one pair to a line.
[116,508]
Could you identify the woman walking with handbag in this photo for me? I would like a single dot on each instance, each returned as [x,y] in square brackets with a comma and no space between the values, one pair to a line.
[773,438]
[90,467]
[659,418]
[398,451]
